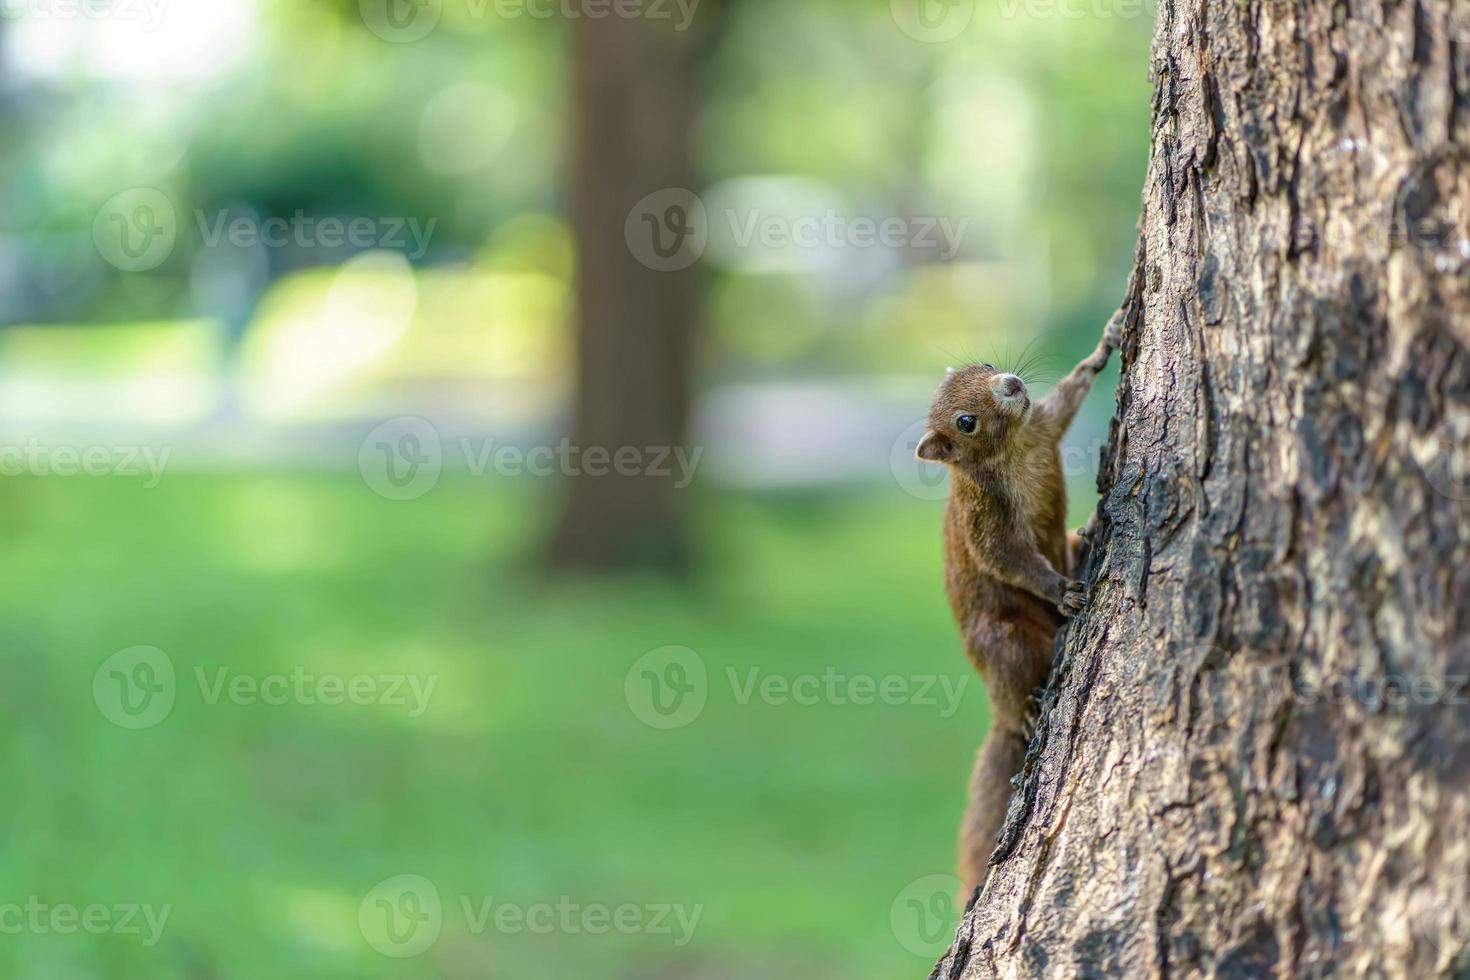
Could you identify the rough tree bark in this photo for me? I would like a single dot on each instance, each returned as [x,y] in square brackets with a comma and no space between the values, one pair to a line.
[1252,759]
[635,98]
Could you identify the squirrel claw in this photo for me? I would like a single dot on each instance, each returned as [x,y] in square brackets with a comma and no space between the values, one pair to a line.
[1073,599]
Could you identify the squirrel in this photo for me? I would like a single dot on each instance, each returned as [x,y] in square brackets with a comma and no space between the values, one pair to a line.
[1009,562]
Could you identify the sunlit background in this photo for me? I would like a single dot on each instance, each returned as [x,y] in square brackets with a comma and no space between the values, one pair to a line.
[197,351]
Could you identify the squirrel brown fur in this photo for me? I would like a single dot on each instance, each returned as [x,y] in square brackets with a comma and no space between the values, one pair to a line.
[1009,563]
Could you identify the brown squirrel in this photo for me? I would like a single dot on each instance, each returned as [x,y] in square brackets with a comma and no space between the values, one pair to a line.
[1008,558]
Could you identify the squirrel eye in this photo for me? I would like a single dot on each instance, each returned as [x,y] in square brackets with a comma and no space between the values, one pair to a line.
[965,423]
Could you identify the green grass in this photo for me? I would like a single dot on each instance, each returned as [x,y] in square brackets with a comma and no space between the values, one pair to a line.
[793,828]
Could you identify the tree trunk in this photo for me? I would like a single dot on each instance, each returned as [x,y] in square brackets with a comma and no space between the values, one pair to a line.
[635,97]
[1252,757]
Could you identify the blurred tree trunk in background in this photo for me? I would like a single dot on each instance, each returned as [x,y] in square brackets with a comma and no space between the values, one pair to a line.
[1252,760]
[636,95]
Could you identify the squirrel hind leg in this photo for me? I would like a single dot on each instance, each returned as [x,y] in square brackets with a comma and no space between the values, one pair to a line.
[1079,541]
[1076,543]
[999,759]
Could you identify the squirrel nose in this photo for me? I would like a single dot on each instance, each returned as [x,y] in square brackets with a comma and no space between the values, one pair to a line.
[1011,386]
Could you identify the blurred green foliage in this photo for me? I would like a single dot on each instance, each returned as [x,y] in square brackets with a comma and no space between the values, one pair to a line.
[794,827]
[528,778]
[1028,132]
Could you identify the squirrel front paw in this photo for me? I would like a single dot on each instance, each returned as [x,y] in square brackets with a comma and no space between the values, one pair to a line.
[1112,339]
[1073,599]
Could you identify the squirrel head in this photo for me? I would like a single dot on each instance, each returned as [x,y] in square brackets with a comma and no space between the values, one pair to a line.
[975,412]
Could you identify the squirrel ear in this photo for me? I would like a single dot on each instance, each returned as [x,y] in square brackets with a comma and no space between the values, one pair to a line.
[934,447]
[949,370]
